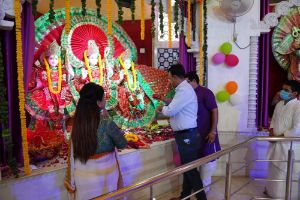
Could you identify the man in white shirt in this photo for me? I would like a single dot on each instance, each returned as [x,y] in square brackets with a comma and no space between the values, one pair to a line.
[285,123]
[182,111]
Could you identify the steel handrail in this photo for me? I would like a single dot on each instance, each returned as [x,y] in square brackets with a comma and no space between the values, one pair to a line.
[184,168]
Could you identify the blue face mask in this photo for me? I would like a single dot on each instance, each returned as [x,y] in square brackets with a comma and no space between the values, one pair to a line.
[284,95]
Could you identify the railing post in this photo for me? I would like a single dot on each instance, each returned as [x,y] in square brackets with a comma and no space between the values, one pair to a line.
[228,178]
[288,187]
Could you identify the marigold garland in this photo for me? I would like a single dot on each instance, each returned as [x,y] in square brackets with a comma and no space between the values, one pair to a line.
[189,24]
[126,73]
[142,19]
[50,86]
[87,64]
[109,17]
[161,19]
[200,42]
[153,18]
[176,27]
[182,16]
[132,8]
[169,24]
[21,91]
[67,10]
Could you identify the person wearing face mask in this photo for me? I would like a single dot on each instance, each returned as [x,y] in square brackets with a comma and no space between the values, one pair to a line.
[285,123]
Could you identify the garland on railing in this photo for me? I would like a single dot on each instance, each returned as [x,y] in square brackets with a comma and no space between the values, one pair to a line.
[142,19]
[161,18]
[205,46]
[201,42]
[182,16]
[132,8]
[109,17]
[5,132]
[34,5]
[83,6]
[21,85]
[176,27]
[98,3]
[152,18]
[169,24]
[67,10]
[120,12]
[51,11]
[189,23]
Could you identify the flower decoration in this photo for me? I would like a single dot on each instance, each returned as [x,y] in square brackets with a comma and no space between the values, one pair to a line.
[161,18]
[142,19]
[51,11]
[176,27]
[153,18]
[120,12]
[98,4]
[169,24]
[67,10]
[189,23]
[132,8]
[83,6]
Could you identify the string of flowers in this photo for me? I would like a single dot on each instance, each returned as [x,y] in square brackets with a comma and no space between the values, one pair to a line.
[169,24]
[87,64]
[5,132]
[21,85]
[194,23]
[83,6]
[120,12]
[50,85]
[176,27]
[67,10]
[200,42]
[205,46]
[189,23]
[51,11]
[126,73]
[34,5]
[182,16]
[153,18]
[161,18]
[132,8]
[109,17]
[98,3]
[142,19]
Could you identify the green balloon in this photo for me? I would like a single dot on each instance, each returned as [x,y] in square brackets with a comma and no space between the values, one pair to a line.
[223,96]
[226,48]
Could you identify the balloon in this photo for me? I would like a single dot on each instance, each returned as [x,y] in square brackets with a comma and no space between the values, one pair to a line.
[218,58]
[231,87]
[235,99]
[226,48]
[231,60]
[222,96]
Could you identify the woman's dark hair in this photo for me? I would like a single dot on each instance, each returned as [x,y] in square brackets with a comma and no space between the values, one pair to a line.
[295,86]
[177,70]
[86,122]
[192,76]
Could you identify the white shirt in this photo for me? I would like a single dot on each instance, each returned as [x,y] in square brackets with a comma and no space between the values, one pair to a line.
[183,108]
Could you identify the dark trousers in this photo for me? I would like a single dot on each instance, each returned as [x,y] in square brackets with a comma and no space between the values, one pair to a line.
[189,143]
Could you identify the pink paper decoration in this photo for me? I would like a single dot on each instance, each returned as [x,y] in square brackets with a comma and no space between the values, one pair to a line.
[231,60]
[218,58]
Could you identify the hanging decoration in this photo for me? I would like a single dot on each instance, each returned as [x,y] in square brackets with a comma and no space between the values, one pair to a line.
[34,5]
[200,42]
[50,85]
[51,11]
[176,27]
[189,23]
[109,17]
[161,19]
[131,88]
[182,16]
[132,8]
[142,19]
[120,12]
[98,4]
[87,64]
[83,6]
[152,18]
[169,24]
[21,85]
[204,47]
[67,10]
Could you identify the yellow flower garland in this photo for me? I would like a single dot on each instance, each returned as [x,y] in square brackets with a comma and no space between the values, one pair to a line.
[87,64]
[21,85]
[189,24]
[131,137]
[67,10]
[200,42]
[170,23]
[142,19]
[126,73]
[50,86]
[109,17]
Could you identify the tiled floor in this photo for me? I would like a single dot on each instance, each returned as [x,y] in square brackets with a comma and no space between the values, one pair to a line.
[217,190]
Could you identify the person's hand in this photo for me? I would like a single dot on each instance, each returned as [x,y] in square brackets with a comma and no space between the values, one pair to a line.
[211,137]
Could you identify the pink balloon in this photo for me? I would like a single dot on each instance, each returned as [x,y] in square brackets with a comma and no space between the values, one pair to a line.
[218,58]
[231,60]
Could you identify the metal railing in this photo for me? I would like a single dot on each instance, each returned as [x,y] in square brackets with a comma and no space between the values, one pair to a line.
[184,168]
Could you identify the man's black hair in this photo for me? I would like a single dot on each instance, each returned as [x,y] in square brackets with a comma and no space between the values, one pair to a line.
[295,86]
[192,76]
[177,70]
